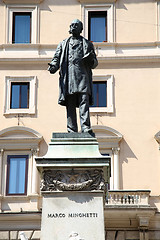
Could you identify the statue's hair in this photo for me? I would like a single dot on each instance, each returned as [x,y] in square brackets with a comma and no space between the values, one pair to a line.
[79,22]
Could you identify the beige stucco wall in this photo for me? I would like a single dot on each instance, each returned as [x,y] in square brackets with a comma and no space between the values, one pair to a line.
[55,18]
[135,117]
[48,114]
[136,21]
[3,22]
[136,86]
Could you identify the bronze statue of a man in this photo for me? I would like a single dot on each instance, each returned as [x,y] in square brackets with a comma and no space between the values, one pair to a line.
[75,57]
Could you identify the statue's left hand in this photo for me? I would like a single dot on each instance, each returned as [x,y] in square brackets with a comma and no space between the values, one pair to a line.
[88,58]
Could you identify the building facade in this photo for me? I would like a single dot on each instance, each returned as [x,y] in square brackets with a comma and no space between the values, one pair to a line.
[125,115]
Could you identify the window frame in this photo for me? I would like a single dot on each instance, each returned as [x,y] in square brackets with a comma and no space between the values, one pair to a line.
[20,140]
[98,93]
[109,8]
[13,27]
[33,9]
[89,23]
[32,95]
[110,106]
[28,90]
[8,175]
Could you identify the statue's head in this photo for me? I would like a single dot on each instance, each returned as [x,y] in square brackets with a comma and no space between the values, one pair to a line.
[76,27]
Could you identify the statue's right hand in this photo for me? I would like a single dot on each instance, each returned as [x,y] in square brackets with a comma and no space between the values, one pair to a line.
[52,69]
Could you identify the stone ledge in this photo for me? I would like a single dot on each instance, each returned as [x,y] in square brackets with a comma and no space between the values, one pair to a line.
[130,207]
[22,1]
[74,146]
[73,135]
[130,191]
[97,1]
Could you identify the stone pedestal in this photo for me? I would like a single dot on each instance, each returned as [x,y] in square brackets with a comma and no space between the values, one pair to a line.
[73,180]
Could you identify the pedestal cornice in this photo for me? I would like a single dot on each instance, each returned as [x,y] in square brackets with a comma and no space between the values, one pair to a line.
[73,163]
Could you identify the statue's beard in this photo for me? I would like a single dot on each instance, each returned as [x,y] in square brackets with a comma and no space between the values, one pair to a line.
[73,31]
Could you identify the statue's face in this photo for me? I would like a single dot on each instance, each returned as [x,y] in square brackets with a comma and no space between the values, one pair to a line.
[75,28]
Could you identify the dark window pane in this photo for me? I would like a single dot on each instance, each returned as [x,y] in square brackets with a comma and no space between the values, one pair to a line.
[24,95]
[97,26]
[15,95]
[17,174]
[100,94]
[95,95]
[19,95]
[21,27]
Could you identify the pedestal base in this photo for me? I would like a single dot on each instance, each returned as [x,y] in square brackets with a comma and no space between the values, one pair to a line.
[73,179]
[68,212]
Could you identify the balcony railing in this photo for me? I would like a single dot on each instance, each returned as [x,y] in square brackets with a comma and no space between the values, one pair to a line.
[129,197]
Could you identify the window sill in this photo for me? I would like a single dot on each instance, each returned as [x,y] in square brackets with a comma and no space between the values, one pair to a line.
[22,1]
[101,110]
[13,197]
[9,112]
[28,197]
[97,1]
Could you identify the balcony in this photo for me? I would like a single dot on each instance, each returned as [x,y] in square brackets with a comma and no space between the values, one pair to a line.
[123,198]
[129,209]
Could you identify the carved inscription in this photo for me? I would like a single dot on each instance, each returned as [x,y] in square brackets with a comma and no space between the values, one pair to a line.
[72,215]
[56,215]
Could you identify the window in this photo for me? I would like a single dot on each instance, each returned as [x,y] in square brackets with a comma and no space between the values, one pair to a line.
[17,174]
[99,22]
[97,26]
[21,27]
[20,95]
[22,24]
[100,94]
[103,94]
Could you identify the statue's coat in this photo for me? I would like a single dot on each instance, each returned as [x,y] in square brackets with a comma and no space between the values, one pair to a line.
[60,60]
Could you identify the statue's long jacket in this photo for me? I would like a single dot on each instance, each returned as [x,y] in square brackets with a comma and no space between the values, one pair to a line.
[60,60]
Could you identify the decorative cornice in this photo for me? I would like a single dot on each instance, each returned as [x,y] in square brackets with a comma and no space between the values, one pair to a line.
[22,1]
[1,151]
[106,52]
[35,151]
[9,130]
[85,180]
[107,137]
[19,216]
[131,59]
[19,138]
[115,150]
[37,61]
[97,1]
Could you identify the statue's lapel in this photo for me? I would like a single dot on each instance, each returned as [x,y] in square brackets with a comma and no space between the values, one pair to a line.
[85,46]
[64,50]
